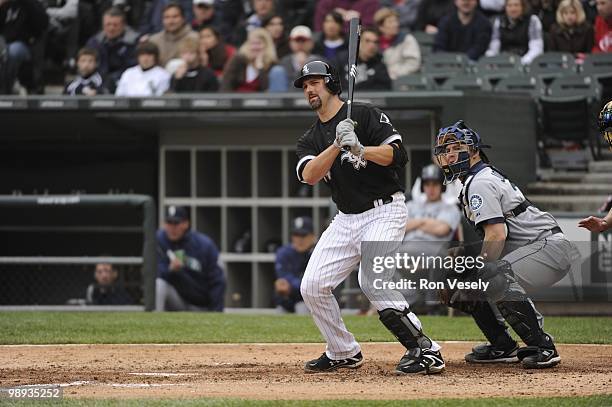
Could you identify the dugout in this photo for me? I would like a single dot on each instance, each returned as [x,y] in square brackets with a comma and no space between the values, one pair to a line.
[229,158]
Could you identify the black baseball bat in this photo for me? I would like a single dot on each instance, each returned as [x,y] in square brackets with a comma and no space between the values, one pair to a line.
[353,51]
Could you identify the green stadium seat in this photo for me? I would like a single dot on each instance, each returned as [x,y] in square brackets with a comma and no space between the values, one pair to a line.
[443,65]
[521,84]
[499,66]
[599,66]
[552,65]
[467,82]
[414,82]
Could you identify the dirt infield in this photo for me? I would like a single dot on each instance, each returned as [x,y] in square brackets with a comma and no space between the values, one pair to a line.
[274,371]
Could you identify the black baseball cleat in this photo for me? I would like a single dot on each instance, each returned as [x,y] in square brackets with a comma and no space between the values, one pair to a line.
[325,364]
[487,353]
[539,358]
[418,361]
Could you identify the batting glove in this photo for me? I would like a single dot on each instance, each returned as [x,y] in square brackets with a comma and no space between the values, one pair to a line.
[351,141]
[345,128]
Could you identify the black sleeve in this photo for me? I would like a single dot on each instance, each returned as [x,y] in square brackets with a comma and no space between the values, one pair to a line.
[37,17]
[306,151]
[377,127]
[441,38]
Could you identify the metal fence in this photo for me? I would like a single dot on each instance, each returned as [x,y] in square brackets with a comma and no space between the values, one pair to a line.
[53,245]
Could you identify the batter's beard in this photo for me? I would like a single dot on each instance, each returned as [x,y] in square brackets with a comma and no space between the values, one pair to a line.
[316,103]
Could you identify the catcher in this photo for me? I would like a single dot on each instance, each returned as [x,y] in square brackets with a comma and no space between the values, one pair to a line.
[523,247]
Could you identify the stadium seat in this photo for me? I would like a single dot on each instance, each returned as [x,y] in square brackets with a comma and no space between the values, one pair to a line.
[444,65]
[467,82]
[414,82]
[552,65]
[499,66]
[567,120]
[599,66]
[425,41]
[521,84]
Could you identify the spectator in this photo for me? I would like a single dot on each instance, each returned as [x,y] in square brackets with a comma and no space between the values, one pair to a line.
[62,39]
[152,21]
[407,11]
[572,33]
[491,8]
[188,273]
[546,10]
[431,223]
[88,81]
[517,32]
[22,23]
[290,264]
[205,15]
[191,76]
[254,67]
[372,73]
[465,30]
[261,10]
[214,52]
[430,13]
[116,47]
[276,27]
[603,27]
[363,9]
[146,78]
[297,12]
[332,40]
[106,290]
[301,44]
[401,52]
[175,30]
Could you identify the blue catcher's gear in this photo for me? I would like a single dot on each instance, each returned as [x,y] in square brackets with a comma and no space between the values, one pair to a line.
[457,139]
[605,123]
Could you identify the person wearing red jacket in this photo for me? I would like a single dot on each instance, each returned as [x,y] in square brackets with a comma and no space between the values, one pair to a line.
[603,27]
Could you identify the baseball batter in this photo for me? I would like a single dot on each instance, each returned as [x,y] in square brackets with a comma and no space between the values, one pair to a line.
[524,247]
[360,162]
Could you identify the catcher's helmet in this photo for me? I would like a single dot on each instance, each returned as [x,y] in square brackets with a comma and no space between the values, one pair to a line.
[605,122]
[320,68]
[458,133]
[432,173]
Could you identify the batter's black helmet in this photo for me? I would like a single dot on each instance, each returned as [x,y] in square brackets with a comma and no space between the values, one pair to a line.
[320,68]
[432,173]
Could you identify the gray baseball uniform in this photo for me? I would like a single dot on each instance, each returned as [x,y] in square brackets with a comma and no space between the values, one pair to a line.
[537,249]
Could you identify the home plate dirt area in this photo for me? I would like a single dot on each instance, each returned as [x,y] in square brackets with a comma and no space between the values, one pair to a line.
[275,371]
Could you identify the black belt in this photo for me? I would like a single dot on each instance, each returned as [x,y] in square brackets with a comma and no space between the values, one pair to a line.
[555,230]
[373,204]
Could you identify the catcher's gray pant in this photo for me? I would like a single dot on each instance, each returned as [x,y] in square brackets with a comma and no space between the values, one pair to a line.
[335,256]
[541,264]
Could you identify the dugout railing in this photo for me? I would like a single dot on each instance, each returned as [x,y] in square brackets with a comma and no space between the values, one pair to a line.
[24,223]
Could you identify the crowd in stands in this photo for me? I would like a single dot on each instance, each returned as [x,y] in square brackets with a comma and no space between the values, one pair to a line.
[152,47]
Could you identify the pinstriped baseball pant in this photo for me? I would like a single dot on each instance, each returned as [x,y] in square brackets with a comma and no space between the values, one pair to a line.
[336,254]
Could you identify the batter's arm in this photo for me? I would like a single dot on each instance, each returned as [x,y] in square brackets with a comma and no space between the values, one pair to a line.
[381,155]
[319,166]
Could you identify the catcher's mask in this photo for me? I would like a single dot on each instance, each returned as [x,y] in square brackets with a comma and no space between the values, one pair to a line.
[454,145]
[605,123]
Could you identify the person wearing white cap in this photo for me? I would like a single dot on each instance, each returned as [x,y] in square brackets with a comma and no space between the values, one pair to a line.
[204,15]
[301,44]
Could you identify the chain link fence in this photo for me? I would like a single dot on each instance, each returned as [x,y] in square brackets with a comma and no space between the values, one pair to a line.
[77,250]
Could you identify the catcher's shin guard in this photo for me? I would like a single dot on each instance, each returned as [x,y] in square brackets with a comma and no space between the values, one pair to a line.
[494,330]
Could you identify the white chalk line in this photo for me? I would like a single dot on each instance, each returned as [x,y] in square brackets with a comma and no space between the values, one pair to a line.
[95,383]
[233,345]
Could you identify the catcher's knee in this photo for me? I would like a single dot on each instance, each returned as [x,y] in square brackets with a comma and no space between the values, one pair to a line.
[500,277]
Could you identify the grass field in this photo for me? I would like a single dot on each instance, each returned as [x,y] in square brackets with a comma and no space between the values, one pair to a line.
[198,328]
[139,327]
